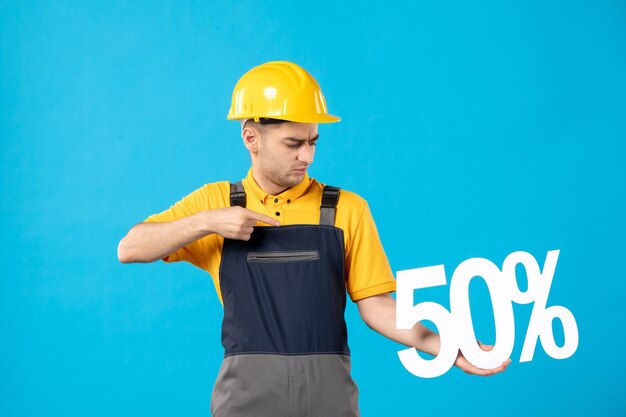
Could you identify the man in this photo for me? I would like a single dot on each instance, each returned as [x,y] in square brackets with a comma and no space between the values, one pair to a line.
[282,250]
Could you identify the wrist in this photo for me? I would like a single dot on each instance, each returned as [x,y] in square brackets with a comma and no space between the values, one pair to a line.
[204,222]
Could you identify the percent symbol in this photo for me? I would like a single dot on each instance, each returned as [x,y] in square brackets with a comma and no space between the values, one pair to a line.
[540,324]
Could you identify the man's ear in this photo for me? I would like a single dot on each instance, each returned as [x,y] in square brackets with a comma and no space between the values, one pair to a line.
[250,138]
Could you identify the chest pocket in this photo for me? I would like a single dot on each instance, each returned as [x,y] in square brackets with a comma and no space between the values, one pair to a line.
[286,256]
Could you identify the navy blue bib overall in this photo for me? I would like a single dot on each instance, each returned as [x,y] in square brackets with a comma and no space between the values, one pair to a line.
[284,333]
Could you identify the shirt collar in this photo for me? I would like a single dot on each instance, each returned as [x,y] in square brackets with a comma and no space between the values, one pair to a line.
[289,195]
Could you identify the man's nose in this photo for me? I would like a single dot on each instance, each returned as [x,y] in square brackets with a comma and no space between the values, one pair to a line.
[306,153]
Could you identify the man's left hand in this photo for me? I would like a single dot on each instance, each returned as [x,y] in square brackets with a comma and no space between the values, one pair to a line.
[467,367]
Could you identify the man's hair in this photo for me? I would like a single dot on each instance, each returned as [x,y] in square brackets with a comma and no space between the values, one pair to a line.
[262,125]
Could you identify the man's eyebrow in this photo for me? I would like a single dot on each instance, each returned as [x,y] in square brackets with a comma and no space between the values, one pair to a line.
[316,137]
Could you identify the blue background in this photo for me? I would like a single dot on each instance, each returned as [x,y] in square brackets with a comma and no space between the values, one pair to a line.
[473,129]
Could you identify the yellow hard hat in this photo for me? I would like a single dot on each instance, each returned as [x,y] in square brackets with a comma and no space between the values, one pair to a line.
[279,90]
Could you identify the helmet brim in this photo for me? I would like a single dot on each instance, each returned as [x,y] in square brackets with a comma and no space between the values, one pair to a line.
[300,118]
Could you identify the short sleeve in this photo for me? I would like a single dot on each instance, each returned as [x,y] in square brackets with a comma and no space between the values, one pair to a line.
[188,205]
[367,268]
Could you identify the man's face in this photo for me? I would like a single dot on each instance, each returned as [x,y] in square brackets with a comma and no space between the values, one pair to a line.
[285,151]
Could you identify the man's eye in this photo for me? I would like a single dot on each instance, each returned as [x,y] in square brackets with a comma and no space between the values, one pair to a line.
[293,145]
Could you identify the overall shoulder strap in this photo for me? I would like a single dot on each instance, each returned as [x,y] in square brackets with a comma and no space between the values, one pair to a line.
[330,197]
[237,195]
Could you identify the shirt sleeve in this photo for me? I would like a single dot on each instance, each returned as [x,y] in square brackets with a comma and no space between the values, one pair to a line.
[367,267]
[188,205]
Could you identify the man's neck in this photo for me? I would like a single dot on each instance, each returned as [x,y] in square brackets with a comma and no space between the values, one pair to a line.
[268,186]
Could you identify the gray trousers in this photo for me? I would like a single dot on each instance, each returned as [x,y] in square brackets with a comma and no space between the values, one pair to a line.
[266,385]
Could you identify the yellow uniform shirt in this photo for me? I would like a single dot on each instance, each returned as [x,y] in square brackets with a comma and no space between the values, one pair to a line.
[367,269]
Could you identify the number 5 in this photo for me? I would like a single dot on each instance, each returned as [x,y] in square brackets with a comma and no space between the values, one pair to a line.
[408,314]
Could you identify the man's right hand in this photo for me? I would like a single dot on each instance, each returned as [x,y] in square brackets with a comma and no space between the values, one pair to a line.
[236,222]
[148,242]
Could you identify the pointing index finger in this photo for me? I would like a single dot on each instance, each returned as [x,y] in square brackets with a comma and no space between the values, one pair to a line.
[262,218]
